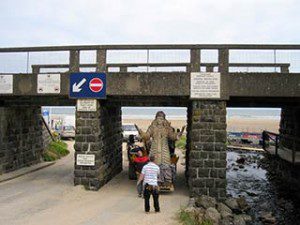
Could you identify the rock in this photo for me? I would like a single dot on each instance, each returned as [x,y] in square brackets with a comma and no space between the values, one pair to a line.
[241,166]
[246,218]
[213,215]
[205,201]
[191,202]
[238,220]
[195,213]
[232,204]
[190,210]
[267,218]
[264,205]
[252,194]
[241,160]
[224,210]
[226,221]
[243,205]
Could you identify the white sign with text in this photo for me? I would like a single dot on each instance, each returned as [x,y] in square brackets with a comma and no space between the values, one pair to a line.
[205,85]
[86,105]
[85,160]
[48,83]
[6,84]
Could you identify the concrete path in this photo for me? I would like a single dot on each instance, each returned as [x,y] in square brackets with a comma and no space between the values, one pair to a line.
[48,196]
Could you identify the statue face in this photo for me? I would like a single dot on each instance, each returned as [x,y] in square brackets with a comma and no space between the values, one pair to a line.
[160,120]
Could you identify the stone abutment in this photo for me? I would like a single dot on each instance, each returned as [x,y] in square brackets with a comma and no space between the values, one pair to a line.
[207,148]
[99,133]
[22,137]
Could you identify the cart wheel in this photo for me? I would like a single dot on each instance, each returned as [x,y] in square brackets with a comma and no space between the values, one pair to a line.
[131,172]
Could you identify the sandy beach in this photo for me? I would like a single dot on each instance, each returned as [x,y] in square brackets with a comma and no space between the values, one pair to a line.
[234,124]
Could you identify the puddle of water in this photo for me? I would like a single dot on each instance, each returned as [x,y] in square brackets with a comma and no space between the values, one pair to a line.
[252,181]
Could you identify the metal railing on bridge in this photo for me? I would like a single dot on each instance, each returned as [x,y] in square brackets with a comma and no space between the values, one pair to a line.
[150,58]
[272,145]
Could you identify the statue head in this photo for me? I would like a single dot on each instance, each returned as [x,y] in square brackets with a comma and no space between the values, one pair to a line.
[160,117]
[160,114]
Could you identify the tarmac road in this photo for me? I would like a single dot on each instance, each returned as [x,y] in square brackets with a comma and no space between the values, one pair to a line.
[48,196]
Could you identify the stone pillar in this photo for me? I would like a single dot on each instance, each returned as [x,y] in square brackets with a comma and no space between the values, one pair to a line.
[207,158]
[290,129]
[21,137]
[101,133]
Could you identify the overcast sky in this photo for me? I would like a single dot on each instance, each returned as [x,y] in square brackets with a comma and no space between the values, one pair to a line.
[59,22]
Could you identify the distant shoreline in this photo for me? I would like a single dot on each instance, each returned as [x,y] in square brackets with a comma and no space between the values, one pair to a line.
[234,124]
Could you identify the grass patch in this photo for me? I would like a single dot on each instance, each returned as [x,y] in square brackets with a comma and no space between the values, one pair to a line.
[186,219]
[190,218]
[181,143]
[55,150]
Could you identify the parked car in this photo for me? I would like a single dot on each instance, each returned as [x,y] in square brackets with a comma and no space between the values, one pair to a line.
[67,131]
[129,129]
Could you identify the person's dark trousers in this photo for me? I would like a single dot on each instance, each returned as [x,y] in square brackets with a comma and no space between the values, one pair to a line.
[147,193]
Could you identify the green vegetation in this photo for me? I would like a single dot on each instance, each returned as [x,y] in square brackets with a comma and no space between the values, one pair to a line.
[190,218]
[55,150]
[181,142]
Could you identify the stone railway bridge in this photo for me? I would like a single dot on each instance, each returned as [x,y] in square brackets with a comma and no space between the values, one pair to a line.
[21,130]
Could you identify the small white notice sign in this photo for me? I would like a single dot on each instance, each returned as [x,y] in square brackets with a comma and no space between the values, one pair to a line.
[48,83]
[6,84]
[85,160]
[205,85]
[86,105]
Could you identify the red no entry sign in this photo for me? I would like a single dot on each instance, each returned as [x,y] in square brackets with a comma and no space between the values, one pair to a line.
[96,85]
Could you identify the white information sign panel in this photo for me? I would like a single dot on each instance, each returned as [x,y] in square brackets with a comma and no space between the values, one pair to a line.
[6,84]
[205,85]
[48,83]
[85,160]
[87,105]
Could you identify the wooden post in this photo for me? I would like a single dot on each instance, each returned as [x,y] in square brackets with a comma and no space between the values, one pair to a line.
[223,60]
[101,60]
[284,69]
[123,69]
[74,61]
[276,145]
[195,60]
[294,151]
[209,68]
[35,69]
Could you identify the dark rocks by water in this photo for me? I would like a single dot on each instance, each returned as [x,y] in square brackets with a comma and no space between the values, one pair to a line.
[206,208]
[268,198]
[205,202]
[267,218]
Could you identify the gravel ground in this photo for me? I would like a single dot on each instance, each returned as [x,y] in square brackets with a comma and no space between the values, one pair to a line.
[49,197]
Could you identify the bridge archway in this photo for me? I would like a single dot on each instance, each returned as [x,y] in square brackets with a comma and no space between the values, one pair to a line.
[100,133]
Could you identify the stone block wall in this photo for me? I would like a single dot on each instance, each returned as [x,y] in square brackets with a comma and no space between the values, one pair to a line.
[285,175]
[290,128]
[21,137]
[207,148]
[46,137]
[101,133]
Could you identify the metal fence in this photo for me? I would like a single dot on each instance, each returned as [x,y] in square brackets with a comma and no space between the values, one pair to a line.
[151,58]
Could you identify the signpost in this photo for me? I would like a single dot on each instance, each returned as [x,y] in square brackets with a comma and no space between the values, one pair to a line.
[87,88]
[6,84]
[88,85]
[205,85]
